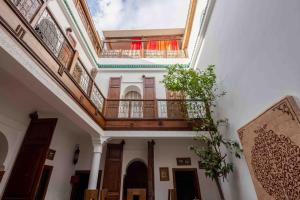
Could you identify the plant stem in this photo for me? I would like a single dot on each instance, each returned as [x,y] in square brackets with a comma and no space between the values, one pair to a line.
[219,189]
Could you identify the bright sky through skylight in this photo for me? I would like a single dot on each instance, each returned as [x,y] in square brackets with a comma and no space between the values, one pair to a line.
[138,14]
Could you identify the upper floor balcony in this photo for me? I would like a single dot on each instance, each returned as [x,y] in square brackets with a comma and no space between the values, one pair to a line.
[32,24]
[155,43]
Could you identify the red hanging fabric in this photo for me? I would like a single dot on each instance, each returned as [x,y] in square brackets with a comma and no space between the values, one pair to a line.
[136,44]
[174,45]
[152,45]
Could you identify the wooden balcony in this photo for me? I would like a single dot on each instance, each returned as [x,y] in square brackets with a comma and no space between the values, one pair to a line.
[159,114]
[168,46]
[143,53]
[32,25]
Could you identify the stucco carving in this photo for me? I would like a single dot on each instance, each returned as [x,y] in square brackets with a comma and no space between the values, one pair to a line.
[271,144]
[275,160]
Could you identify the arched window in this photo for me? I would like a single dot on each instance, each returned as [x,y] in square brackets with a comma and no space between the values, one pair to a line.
[136,105]
[133,95]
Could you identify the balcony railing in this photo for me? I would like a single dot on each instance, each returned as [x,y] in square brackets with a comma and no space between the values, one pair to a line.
[53,39]
[143,53]
[153,109]
[47,43]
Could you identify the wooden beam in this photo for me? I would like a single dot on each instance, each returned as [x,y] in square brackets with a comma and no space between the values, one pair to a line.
[189,24]
[150,190]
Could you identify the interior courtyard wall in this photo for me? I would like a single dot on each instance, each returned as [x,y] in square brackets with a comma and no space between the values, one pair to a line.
[63,142]
[165,153]
[131,77]
[13,125]
[254,45]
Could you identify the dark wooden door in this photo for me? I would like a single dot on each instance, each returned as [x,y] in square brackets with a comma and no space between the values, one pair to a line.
[186,184]
[149,108]
[82,183]
[28,167]
[112,104]
[112,171]
[44,182]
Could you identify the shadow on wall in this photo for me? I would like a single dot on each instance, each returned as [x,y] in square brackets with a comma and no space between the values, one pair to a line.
[3,153]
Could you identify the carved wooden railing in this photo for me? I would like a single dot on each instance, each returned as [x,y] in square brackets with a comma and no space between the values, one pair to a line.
[36,30]
[32,24]
[84,14]
[153,109]
[143,53]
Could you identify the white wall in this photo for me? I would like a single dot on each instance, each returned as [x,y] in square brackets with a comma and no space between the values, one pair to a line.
[131,77]
[13,125]
[165,153]
[255,46]
[198,17]
[63,143]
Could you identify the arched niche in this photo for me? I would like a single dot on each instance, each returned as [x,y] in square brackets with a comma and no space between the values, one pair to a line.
[136,176]
[131,88]
[3,150]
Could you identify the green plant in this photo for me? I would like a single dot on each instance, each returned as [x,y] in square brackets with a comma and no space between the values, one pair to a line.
[201,85]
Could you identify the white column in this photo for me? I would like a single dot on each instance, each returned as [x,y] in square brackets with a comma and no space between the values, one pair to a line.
[98,146]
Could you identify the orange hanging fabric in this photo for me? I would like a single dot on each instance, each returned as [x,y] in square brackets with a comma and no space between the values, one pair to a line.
[136,44]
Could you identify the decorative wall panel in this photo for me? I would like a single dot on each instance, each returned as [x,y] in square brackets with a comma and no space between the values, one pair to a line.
[271,144]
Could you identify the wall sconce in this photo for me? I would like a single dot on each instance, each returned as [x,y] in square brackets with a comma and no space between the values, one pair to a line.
[76,154]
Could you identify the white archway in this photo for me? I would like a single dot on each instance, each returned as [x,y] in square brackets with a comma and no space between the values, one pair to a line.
[131,88]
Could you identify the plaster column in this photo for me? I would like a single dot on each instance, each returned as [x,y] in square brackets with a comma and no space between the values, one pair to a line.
[92,192]
[95,165]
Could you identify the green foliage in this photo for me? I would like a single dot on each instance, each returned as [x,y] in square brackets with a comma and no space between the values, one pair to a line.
[201,85]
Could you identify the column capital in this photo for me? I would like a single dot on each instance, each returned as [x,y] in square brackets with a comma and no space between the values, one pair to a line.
[98,143]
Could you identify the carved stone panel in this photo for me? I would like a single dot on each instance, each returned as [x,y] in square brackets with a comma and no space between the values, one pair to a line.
[271,144]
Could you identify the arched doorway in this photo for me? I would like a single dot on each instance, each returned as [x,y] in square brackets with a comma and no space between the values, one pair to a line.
[135,177]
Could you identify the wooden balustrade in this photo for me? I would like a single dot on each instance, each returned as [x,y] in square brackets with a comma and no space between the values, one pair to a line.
[164,109]
[44,40]
[143,53]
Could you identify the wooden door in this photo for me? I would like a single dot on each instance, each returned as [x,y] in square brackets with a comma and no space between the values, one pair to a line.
[81,184]
[28,167]
[186,183]
[149,108]
[175,105]
[112,171]
[44,182]
[112,106]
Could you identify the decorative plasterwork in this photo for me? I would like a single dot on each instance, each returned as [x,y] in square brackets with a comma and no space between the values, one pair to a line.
[271,144]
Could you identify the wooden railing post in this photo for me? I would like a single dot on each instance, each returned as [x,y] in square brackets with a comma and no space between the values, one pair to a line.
[38,14]
[155,109]
[90,87]
[129,109]
[74,61]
